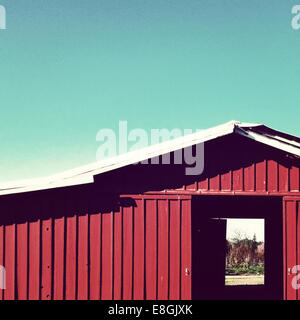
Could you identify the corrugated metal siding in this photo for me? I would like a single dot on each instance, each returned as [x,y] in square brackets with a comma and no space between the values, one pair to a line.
[291,244]
[59,250]
[233,164]
[266,176]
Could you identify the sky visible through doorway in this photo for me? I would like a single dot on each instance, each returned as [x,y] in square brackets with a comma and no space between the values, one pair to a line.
[247,228]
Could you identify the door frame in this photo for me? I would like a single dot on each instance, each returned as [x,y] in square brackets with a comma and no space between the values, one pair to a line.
[291,246]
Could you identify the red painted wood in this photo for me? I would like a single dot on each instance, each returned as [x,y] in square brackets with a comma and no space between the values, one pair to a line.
[107,257]
[226,181]
[284,233]
[127,252]
[71,258]
[139,251]
[163,249]
[203,184]
[9,292]
[260,176]
[118,254]
[291,247]
[213,174]
[283,177]
[237,179]
[58,290]
[22,256]
[294,179]
[34,260]
[186,245]
[249,178]
[272,175]
[174,250]
[214,183]
[151,249]
[95,256]
[46,274]
[82,275]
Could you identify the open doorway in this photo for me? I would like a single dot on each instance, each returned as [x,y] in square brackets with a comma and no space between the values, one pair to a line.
[245,252]
[213,218]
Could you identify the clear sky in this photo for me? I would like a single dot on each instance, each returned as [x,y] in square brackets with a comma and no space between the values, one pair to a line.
[69,68]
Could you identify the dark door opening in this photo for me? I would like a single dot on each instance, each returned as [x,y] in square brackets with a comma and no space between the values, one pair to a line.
[209,214]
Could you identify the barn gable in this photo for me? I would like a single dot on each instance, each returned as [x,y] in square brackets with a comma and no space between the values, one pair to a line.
[225,145]
[233,164]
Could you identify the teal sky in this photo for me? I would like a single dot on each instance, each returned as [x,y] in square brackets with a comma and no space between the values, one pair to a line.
[69,68]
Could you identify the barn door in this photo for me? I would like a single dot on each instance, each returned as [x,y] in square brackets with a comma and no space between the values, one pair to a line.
[291,247]
[209,254]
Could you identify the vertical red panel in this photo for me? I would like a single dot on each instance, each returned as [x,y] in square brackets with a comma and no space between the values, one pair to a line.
[151,249]
[139,251]
[294,179]
[46,259]
[203,183]
[213,173]
[2,280]
[225,171]
[226,181]
[260,176]
[284,251]
[107,257]
[291,248]
[237,179]
[163,249]
[82,257]
[249,178]
[118,255]
[186,247]
[95,256]
[174,250]
[71,257]
[9,292]
[127,252]
[59,224]
[34,260]
[22,256]
[272,175]
[214,183]
[283,178]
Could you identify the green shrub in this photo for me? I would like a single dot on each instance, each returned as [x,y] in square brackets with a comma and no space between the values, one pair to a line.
[245,270]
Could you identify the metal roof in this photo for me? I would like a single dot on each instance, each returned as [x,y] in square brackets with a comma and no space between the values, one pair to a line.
[85,174]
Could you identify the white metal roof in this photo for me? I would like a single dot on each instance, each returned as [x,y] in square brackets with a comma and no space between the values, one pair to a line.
[85,174]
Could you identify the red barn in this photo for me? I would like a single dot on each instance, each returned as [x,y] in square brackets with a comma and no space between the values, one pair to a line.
[120,230]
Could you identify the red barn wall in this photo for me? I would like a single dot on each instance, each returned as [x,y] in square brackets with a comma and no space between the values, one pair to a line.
[72,246]
[128,235]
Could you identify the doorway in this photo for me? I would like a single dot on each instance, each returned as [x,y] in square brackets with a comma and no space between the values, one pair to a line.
[211,219]
[245,257]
